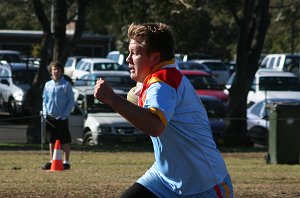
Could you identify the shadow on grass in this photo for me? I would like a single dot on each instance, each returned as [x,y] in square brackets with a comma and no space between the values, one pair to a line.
[118,147]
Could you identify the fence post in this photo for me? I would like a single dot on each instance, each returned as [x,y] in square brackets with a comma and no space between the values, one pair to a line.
[42,129]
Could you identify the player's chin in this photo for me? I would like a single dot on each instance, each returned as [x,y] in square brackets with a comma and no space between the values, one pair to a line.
[133,76]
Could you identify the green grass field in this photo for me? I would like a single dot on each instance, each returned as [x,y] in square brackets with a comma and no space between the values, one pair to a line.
[109,170]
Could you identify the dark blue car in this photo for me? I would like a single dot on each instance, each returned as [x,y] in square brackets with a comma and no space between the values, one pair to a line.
[216,113]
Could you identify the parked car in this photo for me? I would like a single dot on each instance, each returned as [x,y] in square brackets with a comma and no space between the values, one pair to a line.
[92,122]
[216,111]
[282,62]
[118,57]
[87,65]
[258,119]
[32,60]
[205,84]
[269,83]
[71,64]
[219,70]
[15,81]
[190,65]
[10,56]
[117,79]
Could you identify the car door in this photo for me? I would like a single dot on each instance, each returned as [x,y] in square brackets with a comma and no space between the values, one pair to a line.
[5,84]
[76,120]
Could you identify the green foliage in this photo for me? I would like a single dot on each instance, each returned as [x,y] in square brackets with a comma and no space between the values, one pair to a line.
[15,15]
[199,26]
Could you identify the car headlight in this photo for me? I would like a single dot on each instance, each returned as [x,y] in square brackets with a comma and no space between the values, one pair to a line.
[104,129]
[18,96]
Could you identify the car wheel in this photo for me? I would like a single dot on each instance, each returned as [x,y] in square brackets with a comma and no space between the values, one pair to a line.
[12,108]
[258,135]
[294,70]
[88,139]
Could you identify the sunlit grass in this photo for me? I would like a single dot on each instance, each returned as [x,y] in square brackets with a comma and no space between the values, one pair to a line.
[107,171]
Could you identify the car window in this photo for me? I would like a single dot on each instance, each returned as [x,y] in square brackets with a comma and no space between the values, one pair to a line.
[272,62]
[214,109]
[10,57]
[69,62]
[203,82]
[257,109]
[216,66]
[191,66]
[120,81]
[291,61]
[23,76]
[4,73]
[278,62]
[106,66]
[279,83]
[79,65]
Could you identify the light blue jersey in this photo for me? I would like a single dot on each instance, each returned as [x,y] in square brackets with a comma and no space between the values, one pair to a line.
[187,161]
[58,99]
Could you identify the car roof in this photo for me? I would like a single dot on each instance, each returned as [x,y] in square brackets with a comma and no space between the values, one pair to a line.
[9,52]
[270,100]
[99,60]
[207,97]
[207,60]
[111,73]
[197,72]
[90,91]
[20,66]
[275,73]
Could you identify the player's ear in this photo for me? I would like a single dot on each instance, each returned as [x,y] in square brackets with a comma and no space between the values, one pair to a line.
[155,57]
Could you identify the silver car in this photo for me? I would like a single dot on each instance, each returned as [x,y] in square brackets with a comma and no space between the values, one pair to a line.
[218,69]
[94,123]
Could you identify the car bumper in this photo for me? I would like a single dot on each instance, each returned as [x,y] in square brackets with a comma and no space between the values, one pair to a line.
[121,138]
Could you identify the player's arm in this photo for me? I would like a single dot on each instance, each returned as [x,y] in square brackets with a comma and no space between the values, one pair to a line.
[141,118]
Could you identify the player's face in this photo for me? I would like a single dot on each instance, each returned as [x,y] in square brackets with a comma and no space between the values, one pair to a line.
[139,62]
[56,73]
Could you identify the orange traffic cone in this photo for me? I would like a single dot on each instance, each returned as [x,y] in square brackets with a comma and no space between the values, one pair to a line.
[57,164]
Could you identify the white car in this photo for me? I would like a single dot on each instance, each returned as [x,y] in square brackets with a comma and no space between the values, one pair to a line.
[87,65]
[218,69]
[282,62]
[93,122]
[70,64]
[117,79]
[258,119]
[269,83]
[15,81]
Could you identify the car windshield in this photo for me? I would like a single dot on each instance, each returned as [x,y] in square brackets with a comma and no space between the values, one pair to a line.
[214,109]
[95,106]
[216,66]
[10,57]
[191,66]
[203,82]
[120,82]
[106,66]
[23,76]
[279,83]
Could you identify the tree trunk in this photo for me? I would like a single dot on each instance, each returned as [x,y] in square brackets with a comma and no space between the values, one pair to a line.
[35,93]
[252,30]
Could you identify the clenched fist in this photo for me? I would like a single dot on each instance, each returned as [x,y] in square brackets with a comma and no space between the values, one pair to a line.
[104,92]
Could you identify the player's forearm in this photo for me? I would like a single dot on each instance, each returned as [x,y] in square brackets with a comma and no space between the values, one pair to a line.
[141,118]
